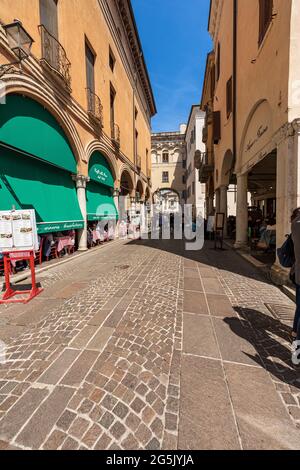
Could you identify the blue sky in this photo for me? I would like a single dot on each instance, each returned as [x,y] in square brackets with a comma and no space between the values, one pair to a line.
[175,43]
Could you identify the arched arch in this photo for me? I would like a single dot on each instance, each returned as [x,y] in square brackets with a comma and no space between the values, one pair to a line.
[97,146]
[140,188]
[258,131]
[227,168]
[26,86]
[147,194]
[126,182]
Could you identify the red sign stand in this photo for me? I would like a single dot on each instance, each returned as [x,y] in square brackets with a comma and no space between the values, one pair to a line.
[9,292]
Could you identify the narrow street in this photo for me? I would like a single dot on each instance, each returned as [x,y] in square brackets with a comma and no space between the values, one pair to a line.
[145,345]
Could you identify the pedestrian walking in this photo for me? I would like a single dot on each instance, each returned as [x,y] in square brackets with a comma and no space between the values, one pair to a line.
[295,275]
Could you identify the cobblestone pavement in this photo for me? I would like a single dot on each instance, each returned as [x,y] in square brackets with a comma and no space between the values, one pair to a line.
[144,345]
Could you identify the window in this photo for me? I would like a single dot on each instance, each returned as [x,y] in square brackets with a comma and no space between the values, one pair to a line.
[165,176]
[112,60]
[189,192]
[218,71]
[112,104]
[212,80]
[183,163]
[165,157]
[193,188]
[265,18]
[135,113]
[136,142]
[49,17]
[90,68]
[183,179]
[229,97]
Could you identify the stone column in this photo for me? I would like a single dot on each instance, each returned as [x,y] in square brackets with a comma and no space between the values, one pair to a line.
[218,196]
[224,206]
[287,188]
[81,182]
[242,212]
[116,193]
[210,205]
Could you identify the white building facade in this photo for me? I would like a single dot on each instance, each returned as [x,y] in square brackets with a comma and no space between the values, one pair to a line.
[195,191]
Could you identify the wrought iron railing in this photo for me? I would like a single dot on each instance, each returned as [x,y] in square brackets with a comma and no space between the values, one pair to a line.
[54,55]
[115,133]
[94,105]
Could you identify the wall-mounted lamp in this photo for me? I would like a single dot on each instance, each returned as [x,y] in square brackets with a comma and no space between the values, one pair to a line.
[20,43]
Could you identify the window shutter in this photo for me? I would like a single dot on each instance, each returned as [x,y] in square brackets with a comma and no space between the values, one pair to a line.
[219,61]
[265,17]
[212,80]
[49,17]
[217,126]
[90,63]
[229,97]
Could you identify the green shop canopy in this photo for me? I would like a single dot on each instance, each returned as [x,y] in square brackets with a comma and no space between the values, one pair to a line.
[100,171]
[28,183]
[27,126]
[100,203]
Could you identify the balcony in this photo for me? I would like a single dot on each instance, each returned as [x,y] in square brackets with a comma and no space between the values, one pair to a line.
[138,162]
[115,134]
[205,167]
[94,107]
[54,58]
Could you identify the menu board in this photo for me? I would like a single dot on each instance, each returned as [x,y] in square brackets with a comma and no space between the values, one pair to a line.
[18,230]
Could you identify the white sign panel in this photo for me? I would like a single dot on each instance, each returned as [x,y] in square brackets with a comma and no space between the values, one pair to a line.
[18,230]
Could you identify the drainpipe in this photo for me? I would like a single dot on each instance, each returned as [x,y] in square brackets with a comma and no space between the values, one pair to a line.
[234,73]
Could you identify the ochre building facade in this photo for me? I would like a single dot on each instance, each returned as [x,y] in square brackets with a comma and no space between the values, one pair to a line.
[81,103]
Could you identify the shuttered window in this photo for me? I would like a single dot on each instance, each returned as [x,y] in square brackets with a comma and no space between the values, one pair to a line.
[90,66]
[217,126]
[229,99]
[49,17]
[265,17]
[218,71]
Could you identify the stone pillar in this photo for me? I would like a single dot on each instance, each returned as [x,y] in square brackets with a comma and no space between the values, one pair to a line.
[287,188]
[116,202]
[224,206]
[242,212]
[210,205]
[218,196]
[81,182]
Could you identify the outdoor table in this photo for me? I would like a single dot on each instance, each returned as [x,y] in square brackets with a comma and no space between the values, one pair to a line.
[63,242]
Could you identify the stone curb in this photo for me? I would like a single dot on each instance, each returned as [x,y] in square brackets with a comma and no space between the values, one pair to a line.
[22,277]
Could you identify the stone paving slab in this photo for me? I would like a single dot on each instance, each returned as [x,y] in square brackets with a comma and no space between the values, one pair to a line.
[150,347]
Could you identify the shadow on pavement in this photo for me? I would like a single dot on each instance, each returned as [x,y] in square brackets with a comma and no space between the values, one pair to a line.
[264,333]
[225,260]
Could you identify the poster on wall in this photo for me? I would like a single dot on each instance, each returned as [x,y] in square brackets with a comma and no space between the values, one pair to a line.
[18,230]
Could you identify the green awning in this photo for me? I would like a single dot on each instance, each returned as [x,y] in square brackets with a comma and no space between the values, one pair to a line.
[100,171]
[100,202]
[27,126]
[28,183]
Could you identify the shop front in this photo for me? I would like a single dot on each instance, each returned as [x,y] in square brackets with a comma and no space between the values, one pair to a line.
[102,212]
[37,167]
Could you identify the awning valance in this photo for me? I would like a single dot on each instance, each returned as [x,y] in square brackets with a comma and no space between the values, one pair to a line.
[100,203]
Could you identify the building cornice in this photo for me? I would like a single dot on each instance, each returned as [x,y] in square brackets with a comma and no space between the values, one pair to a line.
[130,27]
[216,8]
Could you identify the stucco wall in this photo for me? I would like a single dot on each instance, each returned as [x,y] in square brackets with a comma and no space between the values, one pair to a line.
[79,20]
